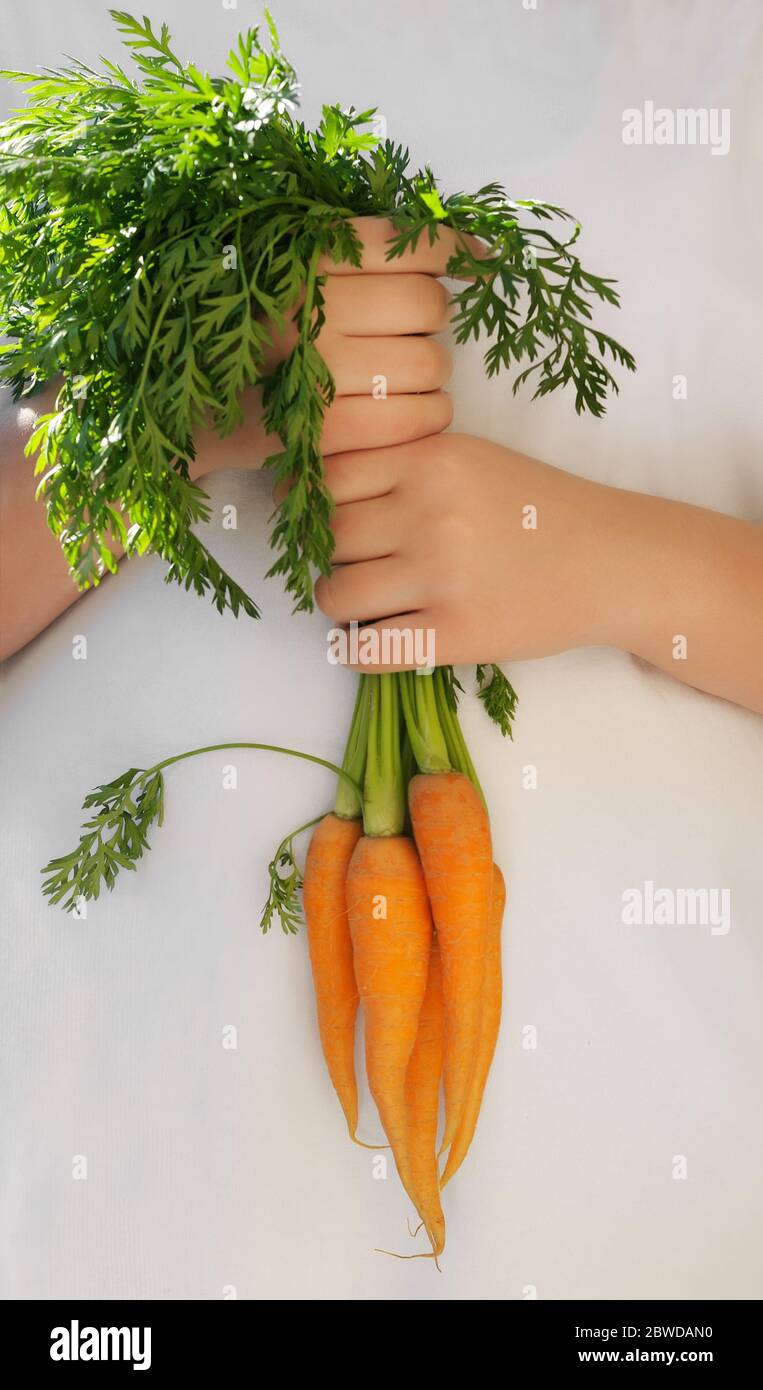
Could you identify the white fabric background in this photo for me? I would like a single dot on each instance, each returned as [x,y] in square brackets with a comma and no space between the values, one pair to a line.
[210,1168]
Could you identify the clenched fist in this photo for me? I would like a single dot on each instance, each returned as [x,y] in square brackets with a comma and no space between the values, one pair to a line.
[389,372]
[505,558]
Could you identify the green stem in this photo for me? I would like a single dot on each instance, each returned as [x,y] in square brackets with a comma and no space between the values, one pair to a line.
[423,722]
[263,747]
[308,303]
[384,788]
[148,354]
[453,733]
[300,830]
[409,768]
[348,805]
[283,897]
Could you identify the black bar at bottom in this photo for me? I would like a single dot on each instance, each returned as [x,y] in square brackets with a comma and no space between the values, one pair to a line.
[162,1339]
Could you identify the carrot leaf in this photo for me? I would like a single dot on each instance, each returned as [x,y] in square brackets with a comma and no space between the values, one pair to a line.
[498,696]
[151,226]
[114,837]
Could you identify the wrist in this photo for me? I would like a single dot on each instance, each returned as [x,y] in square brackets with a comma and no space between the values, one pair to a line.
[653,573]
[624,596]
[594,553]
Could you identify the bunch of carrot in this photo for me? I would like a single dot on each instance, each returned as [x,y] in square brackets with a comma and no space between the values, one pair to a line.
[403,906]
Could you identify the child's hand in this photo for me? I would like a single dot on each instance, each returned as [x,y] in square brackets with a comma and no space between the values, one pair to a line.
[437,534]
[388,375]
[371,338]
[507,558]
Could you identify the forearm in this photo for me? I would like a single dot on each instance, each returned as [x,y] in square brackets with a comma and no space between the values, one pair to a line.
[686,590]
[35,585]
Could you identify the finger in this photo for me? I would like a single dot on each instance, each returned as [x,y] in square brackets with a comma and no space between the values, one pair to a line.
[356,475]
[381,305]
[359,474]
[360,422]
[367,530]
[281,341]
[368,591]
[397,365]
[375,234]
[406,356]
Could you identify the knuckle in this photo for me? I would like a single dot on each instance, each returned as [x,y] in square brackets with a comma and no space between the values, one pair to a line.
[328,597]
[439,300]
[430,296]
[453,529]
[445,468]
[432,363]
[445,408]
[324,597]
[343,525]
[334,469]
[443,359]
[433,411]
[340,467]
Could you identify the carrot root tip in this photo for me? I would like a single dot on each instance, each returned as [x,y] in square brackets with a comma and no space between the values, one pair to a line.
[375,1148]
[424,1255]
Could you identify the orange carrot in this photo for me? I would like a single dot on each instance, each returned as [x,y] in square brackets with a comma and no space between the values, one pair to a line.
[422,1092]
[391,928]
[491,1019]
[328,935]
[452,833]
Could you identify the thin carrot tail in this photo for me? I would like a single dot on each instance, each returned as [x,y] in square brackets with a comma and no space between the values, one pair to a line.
[446,1175]
[450,1170]
[375,1148]
[459,1149]
[437,1240]
[436,1232]
[457,1152]
[424,1255]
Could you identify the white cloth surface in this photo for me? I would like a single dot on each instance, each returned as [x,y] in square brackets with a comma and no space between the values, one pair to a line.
[210,1168]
